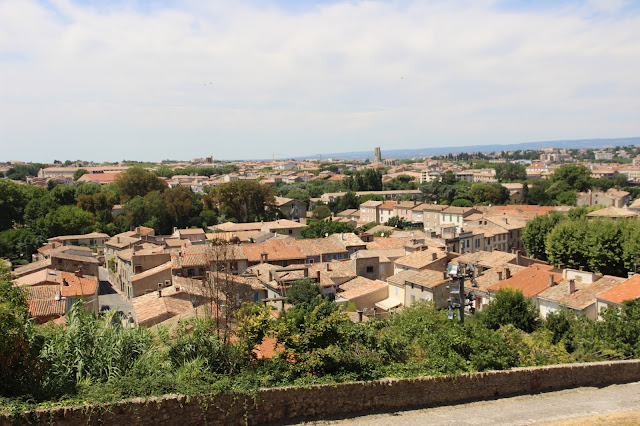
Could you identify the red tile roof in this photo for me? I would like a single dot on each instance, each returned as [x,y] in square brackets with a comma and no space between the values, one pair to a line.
[531,280]
[628,290]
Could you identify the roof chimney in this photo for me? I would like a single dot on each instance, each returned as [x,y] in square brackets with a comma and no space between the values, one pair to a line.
[65,282]
[572,286]
[434,256]
[78,273]
[507,273]
[551,283]
[117,239]
[327,267]
[159,293]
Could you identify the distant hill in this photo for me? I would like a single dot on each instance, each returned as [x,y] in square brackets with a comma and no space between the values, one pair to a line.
[426,152]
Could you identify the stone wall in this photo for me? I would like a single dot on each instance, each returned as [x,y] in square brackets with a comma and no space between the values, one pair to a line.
[281,404]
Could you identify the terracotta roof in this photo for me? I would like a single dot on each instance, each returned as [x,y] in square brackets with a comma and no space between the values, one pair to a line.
[78,286]
[387,205]
[275,248]
[627,290]
[531,280]
[401,277]
[371,203]
[151,272]
[427,278]
[31,267]
[492,276]
[614,212]
[420,259]
[320,246]
[79,237]
[584,294]
[283,224]
[197,231]
[384,255]
[487,259]
[348,239]
[121,241]
[361,286]
[150,309]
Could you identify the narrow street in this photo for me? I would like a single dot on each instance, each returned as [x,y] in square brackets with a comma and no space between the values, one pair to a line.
[615,404]
[109,298]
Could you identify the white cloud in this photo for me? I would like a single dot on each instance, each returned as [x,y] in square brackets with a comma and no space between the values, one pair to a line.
[121,83]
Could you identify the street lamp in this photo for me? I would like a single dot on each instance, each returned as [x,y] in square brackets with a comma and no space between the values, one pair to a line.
[459,300]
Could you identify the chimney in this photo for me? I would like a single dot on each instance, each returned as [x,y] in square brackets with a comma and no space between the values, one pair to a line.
[551,283]
[117,239]
[327,267]
[138,230]
[444,275]
[342,236]
[518,257]
[78,273]
[65,283]
[505,220]
[499,275]
[359,316]
[507,273]
[572,286]
[264,257]
[581,268]
[630,274]
[159,293]
[434,256]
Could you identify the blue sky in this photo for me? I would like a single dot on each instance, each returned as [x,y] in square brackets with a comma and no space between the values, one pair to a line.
[113,80]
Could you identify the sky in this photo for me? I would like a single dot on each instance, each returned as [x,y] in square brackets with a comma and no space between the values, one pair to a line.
[107,80]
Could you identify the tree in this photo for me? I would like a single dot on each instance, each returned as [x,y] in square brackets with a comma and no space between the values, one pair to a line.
[137,181]
[566,244]
[19,244]
[348,201]
[179,202]
[576,176]
[510,307]
[320,228]
[20,369]
[243,200]
[534,234]
[508,172]
[397,222]
[303,291]
[11,204]
[79,173]
[320,212]
[492,193]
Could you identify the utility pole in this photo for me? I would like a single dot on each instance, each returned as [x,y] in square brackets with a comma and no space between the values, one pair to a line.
[458,299]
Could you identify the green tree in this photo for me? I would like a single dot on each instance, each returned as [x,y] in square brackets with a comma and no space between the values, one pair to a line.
[320,212]
[534,234]
[488,193]
[19,244]
[79,173]
[320,228]
[510,307]
[303,291]
[577,176]
[137,181]
[243,200]
[509,172]
[179,203]
[20,368]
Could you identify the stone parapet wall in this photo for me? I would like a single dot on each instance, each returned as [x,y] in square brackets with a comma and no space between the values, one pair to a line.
[281,404]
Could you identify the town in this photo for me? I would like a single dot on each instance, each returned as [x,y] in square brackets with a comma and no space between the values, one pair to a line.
[240,251]
[375,235]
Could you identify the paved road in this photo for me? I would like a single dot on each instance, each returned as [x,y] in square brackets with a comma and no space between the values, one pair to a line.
[108,296]
[576,404]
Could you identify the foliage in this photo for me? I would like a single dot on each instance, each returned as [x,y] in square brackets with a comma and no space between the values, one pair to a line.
[320,211]
[534,234]
[303,291]
[137,181]
[509,307]
[246,201]
[21,171]
[321,228]
[509,172]
[365,180]
[576,176]
[79,173]
[19,244]
[20,368]
[397,222]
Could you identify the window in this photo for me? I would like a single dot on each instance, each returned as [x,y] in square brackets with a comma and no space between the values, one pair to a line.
[369,269]
[397,290]
[413,298]
[478,243]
